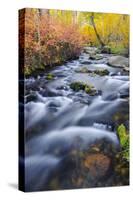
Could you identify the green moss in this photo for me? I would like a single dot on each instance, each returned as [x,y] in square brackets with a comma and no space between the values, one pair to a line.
[90,90]
[27,71]
[102,72]
[77,86]
[50,76]
[124,140]
[119,50]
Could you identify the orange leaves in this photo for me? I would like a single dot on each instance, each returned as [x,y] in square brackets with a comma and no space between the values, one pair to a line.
[50,38]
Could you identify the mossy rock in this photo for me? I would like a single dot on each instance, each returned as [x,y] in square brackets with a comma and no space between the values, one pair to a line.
[83,70]
[50,76]
[76,86]
[102,72]
[89,89]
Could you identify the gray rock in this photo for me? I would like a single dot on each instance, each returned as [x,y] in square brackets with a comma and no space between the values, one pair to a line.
[96,57]
[91,50]
[85,62]
[119,61]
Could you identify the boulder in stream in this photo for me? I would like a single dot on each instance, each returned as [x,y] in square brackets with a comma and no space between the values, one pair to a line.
[83,70]
[89,89]
[96,57]
[88,168]
[91,50]
[101,72]
[119,61]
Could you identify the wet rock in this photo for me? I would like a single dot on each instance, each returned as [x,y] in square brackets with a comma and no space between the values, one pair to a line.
[119,61]
[31,97]
[49,93]
[126,69]
[88,168]
[63,87]
[124,96]
[96,57]
[91,50]
[83,70]
[32,86]
[98,164]
[106,49]
[86,62]
[50,76]
[102,72]
[89,89]
[77,86]
[110,97]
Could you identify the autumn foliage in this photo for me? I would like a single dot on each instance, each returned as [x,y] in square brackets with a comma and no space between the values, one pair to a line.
[49,41]
[51,37]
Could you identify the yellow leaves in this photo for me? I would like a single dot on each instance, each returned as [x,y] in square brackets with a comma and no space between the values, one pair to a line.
[112,28]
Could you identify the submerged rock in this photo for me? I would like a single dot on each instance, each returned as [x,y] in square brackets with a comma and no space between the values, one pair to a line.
[86,62]
[119,61]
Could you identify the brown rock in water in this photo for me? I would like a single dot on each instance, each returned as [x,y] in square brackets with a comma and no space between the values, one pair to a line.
[98,164]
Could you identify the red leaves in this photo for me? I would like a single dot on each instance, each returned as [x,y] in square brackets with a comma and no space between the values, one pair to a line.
[51,38]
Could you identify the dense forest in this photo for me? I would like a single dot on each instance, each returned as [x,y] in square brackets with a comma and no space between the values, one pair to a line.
[55,36]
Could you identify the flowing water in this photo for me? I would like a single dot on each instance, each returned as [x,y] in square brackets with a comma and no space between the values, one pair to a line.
[59,120]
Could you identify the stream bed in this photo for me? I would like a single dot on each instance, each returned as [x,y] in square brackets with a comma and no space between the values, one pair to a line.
[71,136]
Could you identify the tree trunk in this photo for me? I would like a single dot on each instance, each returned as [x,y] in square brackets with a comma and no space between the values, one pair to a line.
[43,12]
[97,35]
[75,17]
[37,24]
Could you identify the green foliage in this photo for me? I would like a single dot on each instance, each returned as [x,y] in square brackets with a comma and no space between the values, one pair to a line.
[50,76]
[124,140]
[119,50]
[56,36]
[27,71]
[76,86]
[102,72]
[89,89]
